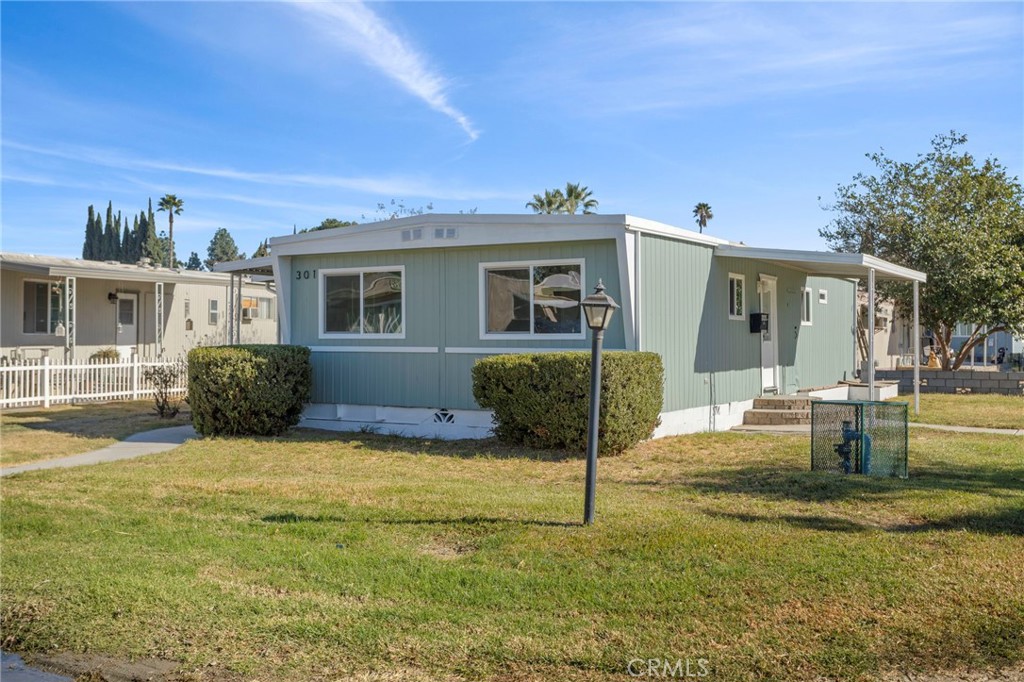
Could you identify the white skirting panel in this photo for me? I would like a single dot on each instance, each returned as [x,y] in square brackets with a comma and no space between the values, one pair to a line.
[463,424]
[708,418]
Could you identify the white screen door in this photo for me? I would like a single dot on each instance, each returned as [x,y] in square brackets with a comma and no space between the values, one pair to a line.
[769,338]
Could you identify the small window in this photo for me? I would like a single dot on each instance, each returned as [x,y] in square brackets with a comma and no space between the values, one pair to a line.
[188,308]
[214,311]
[126,311]
[532,299]
[367,302]
[805,307]
[264,309]
[735,296]
[823,296]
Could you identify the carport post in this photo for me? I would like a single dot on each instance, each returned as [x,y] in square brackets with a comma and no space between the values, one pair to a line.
[917,353]
[871,334]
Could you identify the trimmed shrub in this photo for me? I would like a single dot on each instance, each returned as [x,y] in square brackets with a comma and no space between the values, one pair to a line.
[248,390]
[543,399]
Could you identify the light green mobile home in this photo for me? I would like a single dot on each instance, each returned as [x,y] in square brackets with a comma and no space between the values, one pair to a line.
[396,313]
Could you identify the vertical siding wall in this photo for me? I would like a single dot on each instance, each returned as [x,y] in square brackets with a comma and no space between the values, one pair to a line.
[710,359]
[431,366]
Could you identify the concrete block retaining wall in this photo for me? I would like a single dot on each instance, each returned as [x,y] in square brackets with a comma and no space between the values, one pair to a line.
[959,381]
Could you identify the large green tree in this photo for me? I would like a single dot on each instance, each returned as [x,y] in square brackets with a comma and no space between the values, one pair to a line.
[960,222]
[174,206]
[222,249]
[702,214]
[193,262]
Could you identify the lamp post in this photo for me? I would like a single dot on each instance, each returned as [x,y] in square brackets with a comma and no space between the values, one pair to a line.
[598,308]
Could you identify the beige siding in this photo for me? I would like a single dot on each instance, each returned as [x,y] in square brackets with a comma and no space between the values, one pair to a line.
[97,323]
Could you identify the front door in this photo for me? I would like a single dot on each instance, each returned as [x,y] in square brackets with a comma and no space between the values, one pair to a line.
[769,338]
[127,323]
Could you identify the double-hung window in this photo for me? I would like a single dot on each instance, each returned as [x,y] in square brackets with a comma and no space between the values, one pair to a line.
[364,302]
[533,299]
[736,293]
[214,312]
[43,307]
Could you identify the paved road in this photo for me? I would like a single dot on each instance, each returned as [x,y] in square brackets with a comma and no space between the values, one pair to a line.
[136,445]
[13,669]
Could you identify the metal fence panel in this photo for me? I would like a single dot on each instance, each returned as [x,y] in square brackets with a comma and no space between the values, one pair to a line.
[859,437]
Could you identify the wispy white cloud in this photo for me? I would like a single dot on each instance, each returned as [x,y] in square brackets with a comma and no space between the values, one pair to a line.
[686,55]
[357,28]
[380,187]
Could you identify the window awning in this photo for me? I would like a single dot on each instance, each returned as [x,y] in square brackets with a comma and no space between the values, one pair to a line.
[256,267]
[825,263]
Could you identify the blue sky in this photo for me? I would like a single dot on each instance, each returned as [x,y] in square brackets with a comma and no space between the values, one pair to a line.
[266,115]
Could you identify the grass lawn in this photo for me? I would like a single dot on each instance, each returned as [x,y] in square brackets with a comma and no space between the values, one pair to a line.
[369,557]
[27,435]
[991,411]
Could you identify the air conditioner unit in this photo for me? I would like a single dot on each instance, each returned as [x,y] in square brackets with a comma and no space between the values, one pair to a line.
[250,313]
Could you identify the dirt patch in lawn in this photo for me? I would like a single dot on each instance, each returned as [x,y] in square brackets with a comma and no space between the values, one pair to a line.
[1013,674]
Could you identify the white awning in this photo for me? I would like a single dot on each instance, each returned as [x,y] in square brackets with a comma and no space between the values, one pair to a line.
[825,263]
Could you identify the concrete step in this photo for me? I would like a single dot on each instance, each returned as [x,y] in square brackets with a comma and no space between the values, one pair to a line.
[776,417]
[788,402]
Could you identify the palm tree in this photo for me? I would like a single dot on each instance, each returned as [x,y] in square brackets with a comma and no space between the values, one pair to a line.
[579,197]
[173,205]
[702,212]
[550,202]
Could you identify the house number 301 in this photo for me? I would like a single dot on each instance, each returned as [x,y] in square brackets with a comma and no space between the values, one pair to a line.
[304,274]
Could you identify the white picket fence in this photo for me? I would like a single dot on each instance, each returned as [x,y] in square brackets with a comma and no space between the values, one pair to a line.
[42,382]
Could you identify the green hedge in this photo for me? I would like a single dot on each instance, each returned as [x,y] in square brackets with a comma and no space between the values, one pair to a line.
[542,399]
[248,390]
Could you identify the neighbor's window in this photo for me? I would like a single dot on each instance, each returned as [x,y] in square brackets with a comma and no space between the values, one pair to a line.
[541,298]
[365,302]
[735,296]
[265,310]
[805,307]
[44,307]
[214,311]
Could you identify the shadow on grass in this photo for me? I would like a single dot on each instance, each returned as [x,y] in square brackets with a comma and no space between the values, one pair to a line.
[808,486]
[1008,521]
[110,424]
[459,520]
[462,449]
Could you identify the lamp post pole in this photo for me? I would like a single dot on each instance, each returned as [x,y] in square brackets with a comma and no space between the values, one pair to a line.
[598,308]
[595,410]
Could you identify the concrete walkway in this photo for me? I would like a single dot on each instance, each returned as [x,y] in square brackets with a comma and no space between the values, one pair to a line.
[135,445]
[805,429]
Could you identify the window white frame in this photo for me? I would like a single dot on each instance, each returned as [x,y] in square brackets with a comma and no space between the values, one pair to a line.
[213,312]
[529,264]
[322,299]
[49,308]
[806,307]
[823,296]
[733,313]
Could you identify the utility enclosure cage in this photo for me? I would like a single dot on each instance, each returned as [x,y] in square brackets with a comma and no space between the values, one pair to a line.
[853,437]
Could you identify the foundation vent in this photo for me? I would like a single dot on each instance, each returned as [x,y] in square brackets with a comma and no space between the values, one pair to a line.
[444,417]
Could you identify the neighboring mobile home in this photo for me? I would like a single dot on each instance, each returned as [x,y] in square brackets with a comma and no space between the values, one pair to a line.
[66,308]
[397,312]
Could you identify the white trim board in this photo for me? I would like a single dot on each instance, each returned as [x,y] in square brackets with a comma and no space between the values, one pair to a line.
[373,349]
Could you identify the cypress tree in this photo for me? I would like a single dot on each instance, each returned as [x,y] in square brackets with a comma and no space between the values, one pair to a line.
[88,246]
[126,245]
[97,238]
